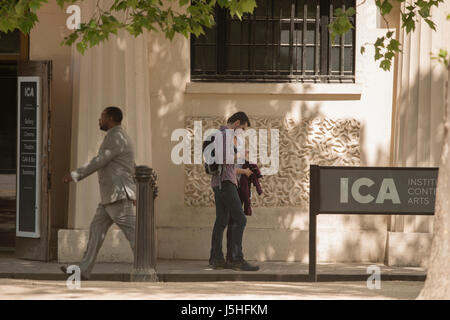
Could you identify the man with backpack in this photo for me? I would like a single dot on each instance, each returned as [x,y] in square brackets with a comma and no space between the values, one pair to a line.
[224,184]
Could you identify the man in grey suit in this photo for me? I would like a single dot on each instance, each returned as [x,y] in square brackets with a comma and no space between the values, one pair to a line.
[115,165]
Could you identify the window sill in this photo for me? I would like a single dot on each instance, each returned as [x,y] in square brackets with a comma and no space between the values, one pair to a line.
[350,91]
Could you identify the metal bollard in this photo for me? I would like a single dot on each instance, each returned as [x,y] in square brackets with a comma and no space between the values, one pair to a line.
[144,269]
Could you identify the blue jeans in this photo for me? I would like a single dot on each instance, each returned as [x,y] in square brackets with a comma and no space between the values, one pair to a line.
[227,203]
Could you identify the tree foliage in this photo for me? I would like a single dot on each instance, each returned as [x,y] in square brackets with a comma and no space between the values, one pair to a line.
[192,17]
[170,17]
[387,47]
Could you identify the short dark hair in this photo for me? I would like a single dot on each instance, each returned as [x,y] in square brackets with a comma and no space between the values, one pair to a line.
[115,113]
[241,116]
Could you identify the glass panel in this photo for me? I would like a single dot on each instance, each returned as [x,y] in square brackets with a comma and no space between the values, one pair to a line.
[210,58]
[298,61]
[299,8]
[313,6]
[235,53]
[348,59]
[335,58]
[348,37]
[310,33]
[210,35]
[309,58]
[205,58]
[276,32]
[337,40]
[263,59]
[337,4]
[285,32]
[298,33]
[234,32]
[10,42]
[274,55]
[263,33]
[284,58]
[282,8]
[261,8]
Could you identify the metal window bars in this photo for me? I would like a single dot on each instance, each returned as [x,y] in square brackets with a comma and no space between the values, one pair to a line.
[296,46]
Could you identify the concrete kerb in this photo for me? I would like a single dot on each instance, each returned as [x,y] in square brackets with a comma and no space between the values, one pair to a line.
[197,271]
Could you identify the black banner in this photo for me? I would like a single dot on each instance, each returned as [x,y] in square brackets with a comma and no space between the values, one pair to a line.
[27,186]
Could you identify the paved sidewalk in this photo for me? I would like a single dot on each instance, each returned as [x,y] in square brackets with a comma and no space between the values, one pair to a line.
[13,289]
[198,271]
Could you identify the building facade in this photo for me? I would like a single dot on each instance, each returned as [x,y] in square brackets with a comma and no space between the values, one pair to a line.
[331,103]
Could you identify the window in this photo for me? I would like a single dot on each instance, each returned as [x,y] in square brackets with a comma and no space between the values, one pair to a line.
[13,46]
[282,41]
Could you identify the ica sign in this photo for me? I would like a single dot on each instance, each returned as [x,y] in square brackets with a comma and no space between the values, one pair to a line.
[386,191]
[29,92]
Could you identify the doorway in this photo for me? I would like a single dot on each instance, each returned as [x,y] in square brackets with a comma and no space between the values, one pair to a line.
[8,155]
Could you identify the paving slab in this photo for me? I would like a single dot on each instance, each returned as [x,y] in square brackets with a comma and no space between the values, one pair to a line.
[14,289]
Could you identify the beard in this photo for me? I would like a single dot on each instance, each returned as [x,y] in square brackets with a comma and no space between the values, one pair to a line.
[103,128]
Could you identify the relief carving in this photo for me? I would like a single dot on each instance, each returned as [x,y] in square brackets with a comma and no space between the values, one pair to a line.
[318,141]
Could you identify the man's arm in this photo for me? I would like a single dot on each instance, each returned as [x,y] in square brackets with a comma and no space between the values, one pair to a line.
[113,147]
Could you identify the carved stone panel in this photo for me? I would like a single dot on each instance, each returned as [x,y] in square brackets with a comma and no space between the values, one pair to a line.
[315,141]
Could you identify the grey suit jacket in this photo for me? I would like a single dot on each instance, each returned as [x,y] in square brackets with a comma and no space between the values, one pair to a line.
[115,166]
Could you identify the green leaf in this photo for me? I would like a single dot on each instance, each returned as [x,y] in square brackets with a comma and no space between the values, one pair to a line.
[222,3]
[394,45]
[379,42]
[81,47]
[61,3]
[183,3]
[443,53]
[20,8]
[442,57]
[385,65]
[408,22]
[248,5]
[385,7]
[339,12]
[170,34]
[431,24]
[132,3]
[363,49]
[36,4]
[389,55]
[378,54]
[350,12]
[122,6]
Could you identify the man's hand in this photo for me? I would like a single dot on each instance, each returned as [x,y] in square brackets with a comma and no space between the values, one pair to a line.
[248,172]
[245,171]
[134,203]
[67,178]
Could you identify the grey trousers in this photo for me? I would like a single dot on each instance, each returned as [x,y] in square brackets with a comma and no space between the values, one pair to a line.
[121,213]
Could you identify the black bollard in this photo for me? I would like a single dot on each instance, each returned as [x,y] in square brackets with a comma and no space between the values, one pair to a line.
[144,269]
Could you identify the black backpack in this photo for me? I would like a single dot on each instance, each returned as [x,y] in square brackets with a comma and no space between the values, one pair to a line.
[212,168]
